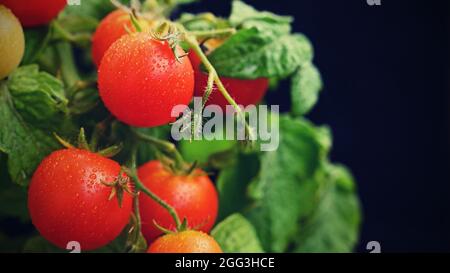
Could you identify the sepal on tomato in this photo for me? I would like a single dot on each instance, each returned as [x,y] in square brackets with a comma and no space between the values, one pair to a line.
[83,144]
[118,187]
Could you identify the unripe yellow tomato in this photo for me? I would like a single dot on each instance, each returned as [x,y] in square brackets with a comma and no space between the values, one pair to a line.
[12,42]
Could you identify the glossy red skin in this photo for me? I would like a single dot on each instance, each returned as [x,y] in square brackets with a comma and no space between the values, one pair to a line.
[244,92]
[35,12]
[110,29]
[68,202]
[140,80]
[193,197]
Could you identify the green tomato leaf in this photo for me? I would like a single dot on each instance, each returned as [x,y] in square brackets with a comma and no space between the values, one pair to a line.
[236,234]
[334,227]
[84,101]
[245,16]
[305,88]
[37,96]
[232,184]
[251,54]
[24,144]
[287,184]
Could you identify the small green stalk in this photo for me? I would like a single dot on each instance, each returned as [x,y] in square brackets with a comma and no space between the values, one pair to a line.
[135,231]
[135,22]
[68,68]
[206,34]
[192,41]
[99,130]
[164,146]
[82,142]
[141,187]
[78,39]
[136,212]
[208,90]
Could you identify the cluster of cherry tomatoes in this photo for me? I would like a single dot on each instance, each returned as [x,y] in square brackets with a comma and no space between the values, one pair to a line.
[140,80]
[70,200]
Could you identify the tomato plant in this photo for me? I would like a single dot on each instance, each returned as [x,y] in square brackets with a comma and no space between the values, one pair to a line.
[140,80]
[12,42]
[68,200]
[35,12]
[185,242]
[111,28]
[210,195]
[193,196]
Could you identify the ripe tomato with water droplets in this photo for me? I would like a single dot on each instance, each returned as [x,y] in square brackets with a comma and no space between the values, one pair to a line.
[33,13]
[189,241]
[112,28]
[141,81]
[68,201]
[193,197]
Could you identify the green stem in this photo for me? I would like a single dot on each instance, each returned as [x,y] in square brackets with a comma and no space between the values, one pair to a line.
[213,33]
[99,130]
[209,89]
[79,39]
[206,16]
[68,68]
[135,22]
[164,146]
[140,187]
[137,214]
[192,41]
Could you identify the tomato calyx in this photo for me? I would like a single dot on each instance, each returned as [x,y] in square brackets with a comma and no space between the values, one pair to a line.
[167,32]
[138,15]
[181,167]
[82,144]
[118,187]
[120,184]
[180,228]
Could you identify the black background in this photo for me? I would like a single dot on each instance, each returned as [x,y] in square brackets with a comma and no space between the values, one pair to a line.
[386,72]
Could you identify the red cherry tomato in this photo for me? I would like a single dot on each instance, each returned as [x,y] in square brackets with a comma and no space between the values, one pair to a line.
[68,202]
[189,241]
[244,92]
[35,12]
[140,80]
[194,197]
[110,29]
